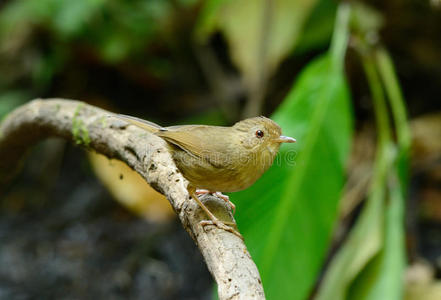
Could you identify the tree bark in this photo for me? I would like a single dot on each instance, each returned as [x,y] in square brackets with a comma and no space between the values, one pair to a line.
[225,254]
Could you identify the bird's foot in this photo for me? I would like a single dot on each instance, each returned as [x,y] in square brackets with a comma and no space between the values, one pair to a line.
[202,192]
[221,225]
[219,195]
[226,199]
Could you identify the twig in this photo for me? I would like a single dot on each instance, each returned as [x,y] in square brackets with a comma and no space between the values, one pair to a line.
[225,254]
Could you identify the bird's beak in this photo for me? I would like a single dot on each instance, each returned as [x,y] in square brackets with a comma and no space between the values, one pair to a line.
[285,139]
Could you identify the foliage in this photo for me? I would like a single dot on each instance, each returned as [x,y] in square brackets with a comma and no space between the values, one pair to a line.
[260,35]
[38,38]
[289,215]
[259,32]
[370,264]
[288,226]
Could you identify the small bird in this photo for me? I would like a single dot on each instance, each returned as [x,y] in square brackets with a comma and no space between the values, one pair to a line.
[217,159]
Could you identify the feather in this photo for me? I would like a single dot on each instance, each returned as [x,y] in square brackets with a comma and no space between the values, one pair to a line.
[147,125]
[200,141]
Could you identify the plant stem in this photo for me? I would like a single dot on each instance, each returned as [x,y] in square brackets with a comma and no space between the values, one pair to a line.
[392,87]
[340,36]
[398,108]
[378,98]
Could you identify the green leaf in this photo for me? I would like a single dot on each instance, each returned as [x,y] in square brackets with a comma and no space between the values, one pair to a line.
[73,16]
[258,32]
[387,281]
[382,276]
[371,262]
[398,108]
[363,243]
[115,47]
[365,240]
[288,215]
[317,31]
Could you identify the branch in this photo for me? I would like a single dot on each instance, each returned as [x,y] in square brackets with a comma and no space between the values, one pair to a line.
[225,254]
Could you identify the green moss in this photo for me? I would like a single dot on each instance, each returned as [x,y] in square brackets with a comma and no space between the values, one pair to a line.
[79,130]
[103,121]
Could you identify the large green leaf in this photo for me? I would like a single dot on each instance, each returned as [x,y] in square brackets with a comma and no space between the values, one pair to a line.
[383,276]
[287,217]
[385,280]
[370,264]
[364,243]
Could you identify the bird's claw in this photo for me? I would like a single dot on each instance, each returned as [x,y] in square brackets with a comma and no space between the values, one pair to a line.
[219,195]
[221,225]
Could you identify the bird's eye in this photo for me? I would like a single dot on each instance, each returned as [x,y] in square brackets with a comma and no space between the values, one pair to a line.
[259,134]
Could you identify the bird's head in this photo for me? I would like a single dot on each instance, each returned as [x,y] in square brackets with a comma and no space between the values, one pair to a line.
[261,135]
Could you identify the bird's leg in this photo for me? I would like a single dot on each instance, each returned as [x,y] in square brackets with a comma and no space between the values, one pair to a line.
[202,192]
[220,195]
[226,199]
[213,220]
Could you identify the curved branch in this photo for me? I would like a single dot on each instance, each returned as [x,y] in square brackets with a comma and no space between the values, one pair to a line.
[225,254]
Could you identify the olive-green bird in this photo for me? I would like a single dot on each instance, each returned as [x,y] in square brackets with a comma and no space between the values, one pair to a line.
[217,159]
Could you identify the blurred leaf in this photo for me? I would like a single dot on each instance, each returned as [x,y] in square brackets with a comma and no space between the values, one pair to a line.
[209,117]
[383,277]
[114,29]
[16,13]
[317,31]
[10,100]
[256,30]
[370,263]
[115,47]
[73,16]
[363,243]
[130,189]
[287,217]
[188,2]
[392,87]
[391,261]
[366,20]
[366,238]
[387,281]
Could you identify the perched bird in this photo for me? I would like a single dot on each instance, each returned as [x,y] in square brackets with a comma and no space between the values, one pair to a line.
[218,159]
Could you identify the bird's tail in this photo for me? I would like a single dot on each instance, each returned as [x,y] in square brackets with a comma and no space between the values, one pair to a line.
[144,124]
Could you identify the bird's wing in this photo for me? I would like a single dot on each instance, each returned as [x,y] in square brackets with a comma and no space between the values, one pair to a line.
[144,124]
[198,140]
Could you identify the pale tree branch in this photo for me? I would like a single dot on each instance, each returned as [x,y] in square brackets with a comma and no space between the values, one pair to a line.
[225,254]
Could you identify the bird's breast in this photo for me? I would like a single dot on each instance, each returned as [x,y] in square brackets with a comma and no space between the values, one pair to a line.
[228,173]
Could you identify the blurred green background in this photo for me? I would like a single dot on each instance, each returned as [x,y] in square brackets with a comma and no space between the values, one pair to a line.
[352,211]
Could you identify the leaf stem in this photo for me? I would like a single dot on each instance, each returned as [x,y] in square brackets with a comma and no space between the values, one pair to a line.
[378,98]
[340,36]
[392,87]
[398,108]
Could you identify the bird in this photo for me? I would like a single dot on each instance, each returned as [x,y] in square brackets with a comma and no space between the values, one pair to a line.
[216,159]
